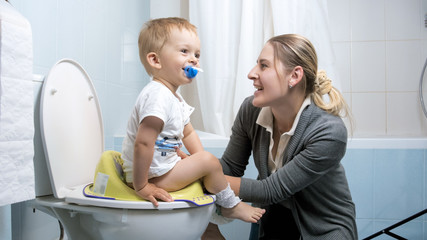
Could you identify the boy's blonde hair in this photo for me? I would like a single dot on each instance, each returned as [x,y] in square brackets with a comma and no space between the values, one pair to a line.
[155,33]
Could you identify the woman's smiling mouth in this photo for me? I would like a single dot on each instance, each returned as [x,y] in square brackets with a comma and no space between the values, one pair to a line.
[259,88]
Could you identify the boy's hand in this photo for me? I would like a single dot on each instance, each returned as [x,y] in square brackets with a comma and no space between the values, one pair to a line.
[151,193]
[181,153]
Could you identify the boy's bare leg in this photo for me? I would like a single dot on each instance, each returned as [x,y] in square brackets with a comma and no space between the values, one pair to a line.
[201,165]
[212,233]
[205,165]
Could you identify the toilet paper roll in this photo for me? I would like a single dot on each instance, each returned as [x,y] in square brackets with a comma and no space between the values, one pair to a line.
[16,107]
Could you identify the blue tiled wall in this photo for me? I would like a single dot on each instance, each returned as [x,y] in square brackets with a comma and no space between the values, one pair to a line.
[387,186]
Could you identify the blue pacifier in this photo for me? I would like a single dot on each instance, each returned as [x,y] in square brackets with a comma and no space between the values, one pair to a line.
[191,72]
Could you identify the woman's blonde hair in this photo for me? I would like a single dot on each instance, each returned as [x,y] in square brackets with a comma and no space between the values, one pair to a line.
[294,50]
[155,33]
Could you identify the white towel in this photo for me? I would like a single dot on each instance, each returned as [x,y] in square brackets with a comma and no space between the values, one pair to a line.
[16,107]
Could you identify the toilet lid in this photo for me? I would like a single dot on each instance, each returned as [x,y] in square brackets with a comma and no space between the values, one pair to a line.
[71,126]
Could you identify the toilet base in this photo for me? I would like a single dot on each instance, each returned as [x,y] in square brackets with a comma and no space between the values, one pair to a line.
[83,222]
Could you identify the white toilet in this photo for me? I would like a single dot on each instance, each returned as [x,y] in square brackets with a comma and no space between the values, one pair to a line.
[72,136]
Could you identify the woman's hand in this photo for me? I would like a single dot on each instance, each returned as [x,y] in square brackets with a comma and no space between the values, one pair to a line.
[151,193]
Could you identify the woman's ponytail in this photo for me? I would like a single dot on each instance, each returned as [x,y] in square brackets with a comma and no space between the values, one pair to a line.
[336,104]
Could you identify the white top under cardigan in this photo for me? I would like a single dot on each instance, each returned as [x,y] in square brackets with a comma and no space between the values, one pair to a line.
[265,119]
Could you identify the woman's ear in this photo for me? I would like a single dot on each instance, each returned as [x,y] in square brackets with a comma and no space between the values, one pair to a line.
[153,60]
[296,75]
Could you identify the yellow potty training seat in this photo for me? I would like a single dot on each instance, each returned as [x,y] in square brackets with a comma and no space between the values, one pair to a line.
[109,184]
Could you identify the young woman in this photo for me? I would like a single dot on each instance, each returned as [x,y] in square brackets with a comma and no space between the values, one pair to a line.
[297,141]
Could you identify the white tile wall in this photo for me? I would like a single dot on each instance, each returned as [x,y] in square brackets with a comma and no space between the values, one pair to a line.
[402,19]
[368,66]
[422,13]
[403,65]
[339,12]
[403,119]
[372,105]
[380,48]
[343,64]
[367,20]
[102,36]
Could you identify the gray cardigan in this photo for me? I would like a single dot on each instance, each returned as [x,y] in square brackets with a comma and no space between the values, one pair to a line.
[312,178]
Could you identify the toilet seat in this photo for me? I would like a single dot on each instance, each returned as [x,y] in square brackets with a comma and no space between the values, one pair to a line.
[73,137]
[77,197]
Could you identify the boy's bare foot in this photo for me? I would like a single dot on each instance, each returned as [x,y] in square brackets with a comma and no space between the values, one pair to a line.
[244,212]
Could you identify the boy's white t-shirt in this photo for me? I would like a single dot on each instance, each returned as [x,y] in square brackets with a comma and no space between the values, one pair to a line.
[157,100]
